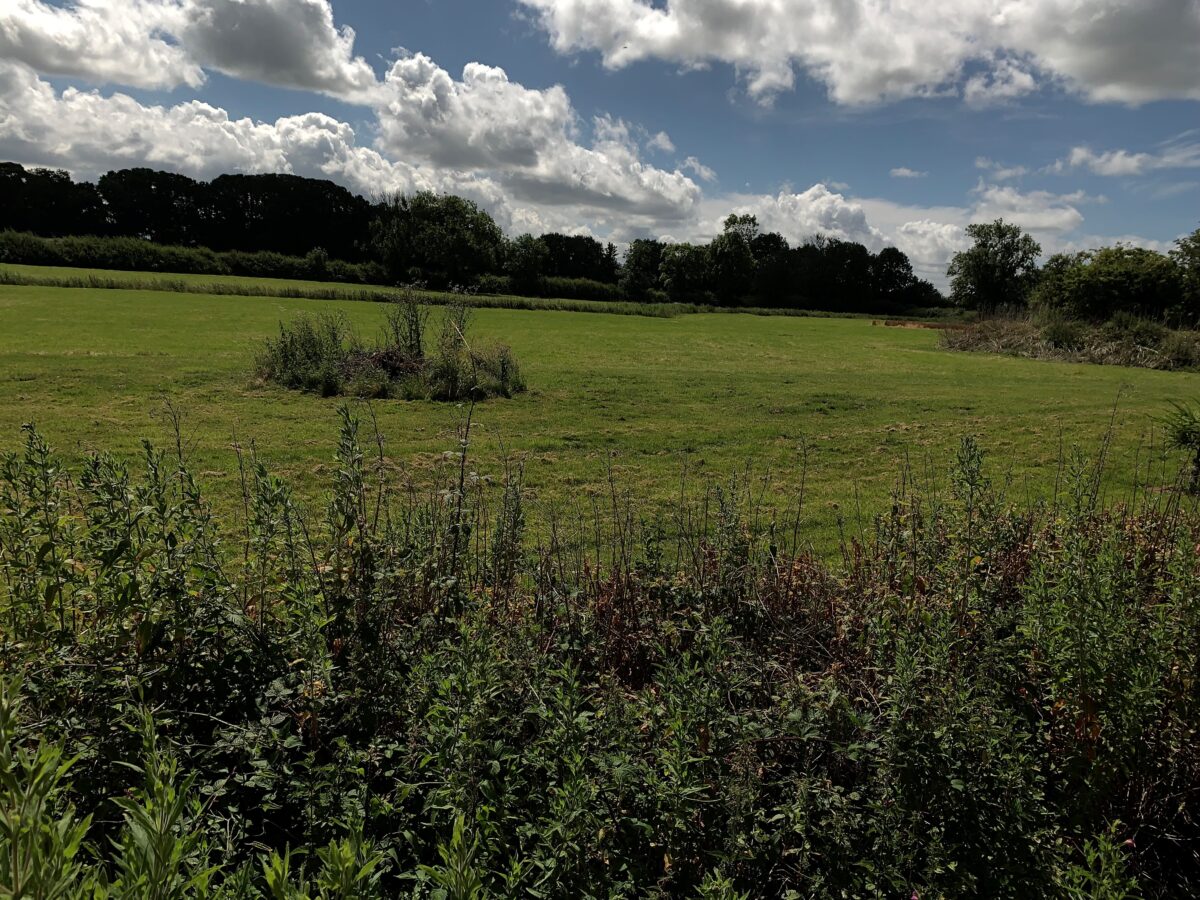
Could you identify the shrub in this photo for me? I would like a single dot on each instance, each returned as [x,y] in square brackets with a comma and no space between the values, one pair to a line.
[310,354]
[1063,334]
[1125,326]
[1181,350]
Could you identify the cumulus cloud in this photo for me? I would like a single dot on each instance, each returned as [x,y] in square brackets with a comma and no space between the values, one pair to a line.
[167,43]
[866,51]
[123,41]
[532,138]
[905,172]
[930,245]
[798,216]
[1004,81]
[1037,211]
[292,43]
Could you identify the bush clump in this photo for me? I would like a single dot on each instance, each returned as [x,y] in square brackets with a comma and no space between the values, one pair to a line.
[323,355]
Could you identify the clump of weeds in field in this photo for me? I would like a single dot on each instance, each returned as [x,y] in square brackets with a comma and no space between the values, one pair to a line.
[323,355]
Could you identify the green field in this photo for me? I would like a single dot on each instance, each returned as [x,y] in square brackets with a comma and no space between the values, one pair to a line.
[721,394]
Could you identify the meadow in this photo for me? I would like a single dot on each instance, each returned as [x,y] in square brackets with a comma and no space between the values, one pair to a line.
[281,671]
[831,410]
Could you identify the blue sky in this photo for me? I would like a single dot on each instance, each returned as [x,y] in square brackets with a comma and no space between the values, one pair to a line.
[885,121]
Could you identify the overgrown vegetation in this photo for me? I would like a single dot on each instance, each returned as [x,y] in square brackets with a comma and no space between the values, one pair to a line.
[1183,432]
[1124,340]
[325,356]
[408,694]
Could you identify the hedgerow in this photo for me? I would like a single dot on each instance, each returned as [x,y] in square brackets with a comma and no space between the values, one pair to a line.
[134,254]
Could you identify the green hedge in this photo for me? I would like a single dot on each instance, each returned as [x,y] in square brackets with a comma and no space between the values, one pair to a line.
[133,254]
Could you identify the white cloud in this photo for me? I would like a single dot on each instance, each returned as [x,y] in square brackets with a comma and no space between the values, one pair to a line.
[167,43]
[661,142]
[89,133]
[1005,81]
[1175,155]
[930,245]
[796,215]
[699,169]
[292,43]
[905,172]
[999,171]
[866,51]
[531,139]
[101,40]
[1036,211]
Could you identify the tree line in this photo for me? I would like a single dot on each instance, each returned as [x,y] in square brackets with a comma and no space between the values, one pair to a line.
[1000,273]
[439,240]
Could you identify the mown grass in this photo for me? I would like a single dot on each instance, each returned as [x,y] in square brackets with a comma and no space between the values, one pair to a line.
[830,408]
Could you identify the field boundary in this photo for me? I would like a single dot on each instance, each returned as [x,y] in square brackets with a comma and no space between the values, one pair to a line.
[198,284]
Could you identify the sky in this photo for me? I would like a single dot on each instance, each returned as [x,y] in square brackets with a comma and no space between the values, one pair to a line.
[889,122]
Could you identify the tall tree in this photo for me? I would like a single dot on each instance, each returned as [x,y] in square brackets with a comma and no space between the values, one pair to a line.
[683,272]
[48,202]
[525,260]
[730,260]
[439,238]
[999,270]
[773,271]
[643,260]
[159,206]
[1187,257]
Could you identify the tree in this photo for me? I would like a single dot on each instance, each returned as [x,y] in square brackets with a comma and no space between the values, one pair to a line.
[892,275]
[525,261]
[578,256]
[772,268]
[438,238]
[683,272]
[48,202]
[1187,257]
[157,206]
[286,214]
[610,266]
[640,273]
[1100,283]
[744,226]
[730,260]
[998,271]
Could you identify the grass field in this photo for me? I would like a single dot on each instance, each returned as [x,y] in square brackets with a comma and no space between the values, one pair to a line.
[646,396]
